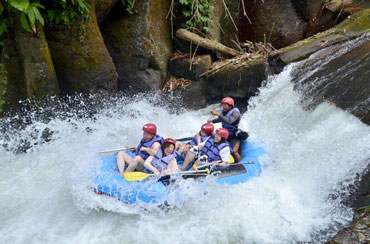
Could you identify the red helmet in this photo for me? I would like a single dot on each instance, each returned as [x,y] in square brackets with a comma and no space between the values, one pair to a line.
[150,128]
[170,140]
[228,100]
[208,128]
[223,133]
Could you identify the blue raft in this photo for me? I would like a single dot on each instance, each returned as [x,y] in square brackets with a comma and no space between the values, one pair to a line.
[107,180]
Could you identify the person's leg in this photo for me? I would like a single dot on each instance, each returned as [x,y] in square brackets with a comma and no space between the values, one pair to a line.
[190,156]
[122,158]
[235,145]
[136,162]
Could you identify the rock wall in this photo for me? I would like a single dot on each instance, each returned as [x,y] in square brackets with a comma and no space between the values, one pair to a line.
[140,44]
[37,65]
[81,59]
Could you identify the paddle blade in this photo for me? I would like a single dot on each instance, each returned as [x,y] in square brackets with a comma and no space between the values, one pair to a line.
[135,176]
[231,160]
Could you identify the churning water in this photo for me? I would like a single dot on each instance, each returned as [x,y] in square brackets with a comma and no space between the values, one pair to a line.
[46,161]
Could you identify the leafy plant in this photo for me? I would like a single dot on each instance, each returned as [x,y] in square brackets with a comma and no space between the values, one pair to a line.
[129,4]
[196,13]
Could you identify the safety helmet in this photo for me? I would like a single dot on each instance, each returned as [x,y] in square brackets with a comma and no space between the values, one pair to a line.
[207,128]
[150,128]
[223,133]
[228,100]
[170,140]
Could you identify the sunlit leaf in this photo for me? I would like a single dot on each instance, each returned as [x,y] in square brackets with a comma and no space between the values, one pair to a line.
[21,5]
[24,22]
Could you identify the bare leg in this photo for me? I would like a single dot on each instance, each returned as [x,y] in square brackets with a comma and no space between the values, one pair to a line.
[197,163]
[188,159]
[133,164]
[122,158]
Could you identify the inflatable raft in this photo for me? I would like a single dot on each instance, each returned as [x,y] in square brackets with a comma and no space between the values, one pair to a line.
[107,180]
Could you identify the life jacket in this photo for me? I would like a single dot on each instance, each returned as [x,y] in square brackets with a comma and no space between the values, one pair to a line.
[148,144]
[194,141]
[161,163]
[213,151]
[232,128]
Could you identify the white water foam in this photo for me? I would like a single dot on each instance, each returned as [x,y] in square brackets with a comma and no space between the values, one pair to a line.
[314,156]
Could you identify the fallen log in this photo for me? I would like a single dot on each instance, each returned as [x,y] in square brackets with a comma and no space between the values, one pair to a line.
[206,43]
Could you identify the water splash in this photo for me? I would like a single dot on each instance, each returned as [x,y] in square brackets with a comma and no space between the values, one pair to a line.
[315,157]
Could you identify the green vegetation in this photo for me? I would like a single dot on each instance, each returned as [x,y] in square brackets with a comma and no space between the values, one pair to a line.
[196,13]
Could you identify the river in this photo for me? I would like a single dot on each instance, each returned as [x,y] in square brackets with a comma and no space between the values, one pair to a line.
[314,157]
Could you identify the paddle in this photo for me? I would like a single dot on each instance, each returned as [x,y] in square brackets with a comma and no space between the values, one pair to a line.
[138,176]
[125,148]
[117,150]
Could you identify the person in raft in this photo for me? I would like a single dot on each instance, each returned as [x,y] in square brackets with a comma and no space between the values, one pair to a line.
[230,119]
[196,144]
[148,146]
[216,150]
[164,161]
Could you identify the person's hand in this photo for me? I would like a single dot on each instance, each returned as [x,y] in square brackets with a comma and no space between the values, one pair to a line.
[144,149]
[214,112]
[215,164]
[131,147]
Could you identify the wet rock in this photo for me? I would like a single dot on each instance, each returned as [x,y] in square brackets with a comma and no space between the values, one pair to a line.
[216,13]
[229,23]
[352,27]
[183,67]
[140,44]
[14,86]
[358,232]
[273,21]
[81,59]
[236,80]
[38,67]
[193,95]
[344,81]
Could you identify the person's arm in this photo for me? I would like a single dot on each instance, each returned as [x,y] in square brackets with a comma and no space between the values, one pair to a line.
[234,117]
[199,138]
[172,167]
[149,166]
[131,147]
[152,151]
[225,157]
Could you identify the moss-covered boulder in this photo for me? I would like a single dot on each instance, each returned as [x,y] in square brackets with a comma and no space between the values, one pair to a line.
[38,67]
[274,21]
[140,44]
[81,59]
[12,81]
[236,79]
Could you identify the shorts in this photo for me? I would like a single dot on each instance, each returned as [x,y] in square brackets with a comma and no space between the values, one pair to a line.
[202,158]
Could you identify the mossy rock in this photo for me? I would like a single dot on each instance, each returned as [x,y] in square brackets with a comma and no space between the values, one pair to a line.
[81,59]
[12,81]
[237,80]
[38,67]
[140,44]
